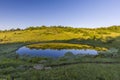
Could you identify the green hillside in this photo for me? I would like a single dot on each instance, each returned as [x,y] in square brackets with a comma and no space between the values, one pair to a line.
[43,33]
[104,66]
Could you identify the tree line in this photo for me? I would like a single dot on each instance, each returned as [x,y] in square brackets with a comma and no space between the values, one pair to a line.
[113,28]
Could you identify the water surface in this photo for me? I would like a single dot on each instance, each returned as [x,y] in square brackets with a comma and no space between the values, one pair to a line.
[54,53]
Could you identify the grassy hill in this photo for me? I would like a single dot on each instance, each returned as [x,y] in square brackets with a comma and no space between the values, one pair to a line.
[36,34]
[104,66]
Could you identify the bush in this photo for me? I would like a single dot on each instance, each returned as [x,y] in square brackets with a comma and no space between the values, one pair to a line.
[112,52]
[69,54]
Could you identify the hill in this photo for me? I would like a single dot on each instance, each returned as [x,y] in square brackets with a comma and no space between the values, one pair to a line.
[44,33]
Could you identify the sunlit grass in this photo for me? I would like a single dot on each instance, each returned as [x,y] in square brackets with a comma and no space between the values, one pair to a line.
[63,46]
[55,33]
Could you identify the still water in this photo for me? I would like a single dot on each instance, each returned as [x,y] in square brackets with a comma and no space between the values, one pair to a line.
[54,53]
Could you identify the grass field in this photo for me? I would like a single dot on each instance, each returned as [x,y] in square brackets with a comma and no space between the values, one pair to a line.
[57,33]
[105,66]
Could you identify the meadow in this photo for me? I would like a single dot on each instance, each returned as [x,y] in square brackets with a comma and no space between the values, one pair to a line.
[105,66]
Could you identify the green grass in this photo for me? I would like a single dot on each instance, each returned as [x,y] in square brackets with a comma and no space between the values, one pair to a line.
[76,72]
[9,49]
[21,67]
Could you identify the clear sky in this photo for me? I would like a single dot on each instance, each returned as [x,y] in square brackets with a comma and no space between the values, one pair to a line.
[75,13]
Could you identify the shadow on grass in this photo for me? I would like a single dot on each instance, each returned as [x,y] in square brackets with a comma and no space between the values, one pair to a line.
[108,43]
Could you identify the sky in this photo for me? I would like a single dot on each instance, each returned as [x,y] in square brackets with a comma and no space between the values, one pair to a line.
[74,13]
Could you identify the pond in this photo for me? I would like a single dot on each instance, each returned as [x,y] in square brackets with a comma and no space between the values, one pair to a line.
[53,53]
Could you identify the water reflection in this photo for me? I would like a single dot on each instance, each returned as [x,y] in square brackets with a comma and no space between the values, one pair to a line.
[54,53]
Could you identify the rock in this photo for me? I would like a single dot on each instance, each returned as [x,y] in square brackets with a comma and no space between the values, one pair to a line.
[38,66]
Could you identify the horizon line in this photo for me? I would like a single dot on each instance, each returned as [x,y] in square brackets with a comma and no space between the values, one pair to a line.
[57,26]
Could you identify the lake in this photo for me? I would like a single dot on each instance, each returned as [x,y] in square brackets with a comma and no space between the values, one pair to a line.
[53,53]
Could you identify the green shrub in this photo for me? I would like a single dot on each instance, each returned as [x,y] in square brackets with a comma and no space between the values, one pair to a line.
[112,52]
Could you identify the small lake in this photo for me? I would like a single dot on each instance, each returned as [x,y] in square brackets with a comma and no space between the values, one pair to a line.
[53,53]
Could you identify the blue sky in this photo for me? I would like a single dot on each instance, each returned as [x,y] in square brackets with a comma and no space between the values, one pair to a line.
[75,13]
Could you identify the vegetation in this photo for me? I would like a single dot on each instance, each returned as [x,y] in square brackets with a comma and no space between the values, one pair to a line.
[105,66]
[62,46]
[57,33]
